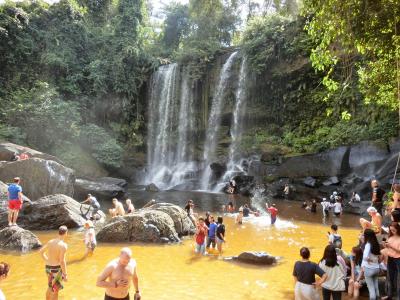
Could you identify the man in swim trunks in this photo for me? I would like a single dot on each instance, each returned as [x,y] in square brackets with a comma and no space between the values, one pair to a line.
[117,276]
[56,266]
[118,209]
[14,193]
[376,221]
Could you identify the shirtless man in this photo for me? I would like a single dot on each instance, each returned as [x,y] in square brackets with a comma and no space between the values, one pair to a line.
[117,276]
[118,209]
[376,220]
[56,267]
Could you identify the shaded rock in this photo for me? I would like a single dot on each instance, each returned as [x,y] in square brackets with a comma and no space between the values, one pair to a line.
[310,181]
[367,152]
[152,188]
[331,181]
[39,177]
[325,164]
[100,188]
[218,170]
[159,223]
[48,213]
[8,149]
[256,258]
[245,184]
[19,239]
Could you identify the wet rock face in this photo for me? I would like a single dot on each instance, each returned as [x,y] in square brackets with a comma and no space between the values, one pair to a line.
[39,177]
[159,223]
[152,188]
[245,184]
[18,239]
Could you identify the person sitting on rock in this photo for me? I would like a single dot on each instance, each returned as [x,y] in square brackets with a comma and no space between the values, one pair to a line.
[189,209]
[376,220]
[118,209]
[130,206]
[24,156]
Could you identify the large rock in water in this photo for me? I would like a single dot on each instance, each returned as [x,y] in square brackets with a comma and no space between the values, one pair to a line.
[106,187]
[16,238]
[8,149]
[39,177]
[48,213]
[152,188]
[245,184]
[160,223]
[256,258]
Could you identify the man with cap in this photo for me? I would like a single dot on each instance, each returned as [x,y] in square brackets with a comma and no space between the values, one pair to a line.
[376,220]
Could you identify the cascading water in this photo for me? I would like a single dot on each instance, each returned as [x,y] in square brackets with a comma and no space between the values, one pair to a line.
[214,121]
[171,121]
[234,163]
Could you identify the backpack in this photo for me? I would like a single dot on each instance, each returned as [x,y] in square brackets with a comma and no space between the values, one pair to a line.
[337,241]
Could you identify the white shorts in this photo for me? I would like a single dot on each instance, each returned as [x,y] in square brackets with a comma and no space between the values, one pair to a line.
[304,291]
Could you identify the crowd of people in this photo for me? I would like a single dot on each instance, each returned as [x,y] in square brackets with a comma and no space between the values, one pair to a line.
[376,252]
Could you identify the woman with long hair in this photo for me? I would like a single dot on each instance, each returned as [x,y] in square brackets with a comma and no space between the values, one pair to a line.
[392,253]
[334,285]
[370,263]
[355,281]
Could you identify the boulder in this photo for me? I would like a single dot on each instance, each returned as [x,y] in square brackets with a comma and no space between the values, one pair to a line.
[245,184]
[8,149]
[310,181]
[39,177]
[48,213]
[18,239]
[325,164]
[256,258]
[100,188]
[159,223]
[183,224]
[331,181]
[152,188]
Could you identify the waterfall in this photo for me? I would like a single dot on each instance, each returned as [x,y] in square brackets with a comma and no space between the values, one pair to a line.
[160,131]
[170,128]
[214,121]
[234,163]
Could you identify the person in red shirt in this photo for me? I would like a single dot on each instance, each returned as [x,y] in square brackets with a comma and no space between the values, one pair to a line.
[273,211]
[201,233]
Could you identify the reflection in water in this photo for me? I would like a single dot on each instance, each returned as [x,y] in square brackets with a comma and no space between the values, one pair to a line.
[174,272]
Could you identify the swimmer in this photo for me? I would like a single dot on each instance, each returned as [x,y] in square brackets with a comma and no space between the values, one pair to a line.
[56,266]
[230,208]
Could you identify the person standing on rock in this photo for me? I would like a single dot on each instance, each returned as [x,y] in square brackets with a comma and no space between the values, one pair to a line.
[4,269]
[93,203]
[117,276]
[377,196]
[286,191]
[14,201]
[53,254]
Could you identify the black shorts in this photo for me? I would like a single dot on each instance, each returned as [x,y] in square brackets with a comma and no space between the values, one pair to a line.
[106,297]
[337,214]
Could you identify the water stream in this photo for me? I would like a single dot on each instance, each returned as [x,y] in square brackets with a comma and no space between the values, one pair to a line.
[214,121]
